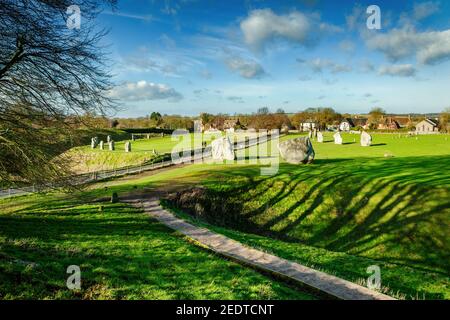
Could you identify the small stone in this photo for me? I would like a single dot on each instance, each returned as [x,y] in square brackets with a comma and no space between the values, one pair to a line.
[337,138]
[366,139]
[114,198]
[319,137]
[128,146]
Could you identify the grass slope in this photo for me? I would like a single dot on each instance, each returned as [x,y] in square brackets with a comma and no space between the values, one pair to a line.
[350,209]
[122,253]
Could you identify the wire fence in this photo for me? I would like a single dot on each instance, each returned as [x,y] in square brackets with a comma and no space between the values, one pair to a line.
[195,154]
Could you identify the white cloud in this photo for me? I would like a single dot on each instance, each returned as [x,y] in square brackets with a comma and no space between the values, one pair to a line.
[399,70]
[247,68]
[424,9]
[236,99]
[263,26]
[143,90]
[347,46]
[431,47]
[319,65]
[356,18]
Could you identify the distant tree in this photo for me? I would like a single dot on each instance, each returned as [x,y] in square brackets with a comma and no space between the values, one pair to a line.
[280,110]
[444,120]
[113,123]
[47,73]
[326,116]
[263,110]
[206,118]
[157,118]
[376,115]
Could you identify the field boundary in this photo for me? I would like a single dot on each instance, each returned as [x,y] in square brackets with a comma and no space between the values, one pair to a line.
[220,244]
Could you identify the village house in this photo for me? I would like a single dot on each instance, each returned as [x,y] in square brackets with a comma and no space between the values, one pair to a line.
[427,126]
[388,123]
[348,123]
[403,121]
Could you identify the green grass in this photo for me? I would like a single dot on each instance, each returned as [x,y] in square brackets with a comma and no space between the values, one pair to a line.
[352,208]
[86,159]
[345,213]
[122,253]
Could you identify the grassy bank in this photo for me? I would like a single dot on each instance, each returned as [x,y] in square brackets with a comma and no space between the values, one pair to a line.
[122,254]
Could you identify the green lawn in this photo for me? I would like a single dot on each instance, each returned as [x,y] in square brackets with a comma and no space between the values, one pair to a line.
[344,213]
[86,159]
[352,208]
[122,253]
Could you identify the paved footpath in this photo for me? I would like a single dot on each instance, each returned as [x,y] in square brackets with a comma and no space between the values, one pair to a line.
[334,286]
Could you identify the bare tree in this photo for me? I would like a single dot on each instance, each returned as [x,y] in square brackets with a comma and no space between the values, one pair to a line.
[47,72]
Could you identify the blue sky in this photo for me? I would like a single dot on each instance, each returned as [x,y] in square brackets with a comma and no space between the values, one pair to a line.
[192,56]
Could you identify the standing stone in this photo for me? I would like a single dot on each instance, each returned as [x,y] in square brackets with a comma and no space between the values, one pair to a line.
[337,138]
[111,146]
[94,142]
[319,137]
[101,145]
[128,146]
[222,149]
[310,134]
[296,151]
[132,137]
[366,139]
[108,139]
[148,136]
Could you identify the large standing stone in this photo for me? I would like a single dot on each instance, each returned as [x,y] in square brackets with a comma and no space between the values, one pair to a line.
[222,149]
[310,134]
[132,137]
[366,139]
[108,139]
[337,138]
[111,146]
[128,146]
[94,142]
[298,150]
[319,137]
[101,145]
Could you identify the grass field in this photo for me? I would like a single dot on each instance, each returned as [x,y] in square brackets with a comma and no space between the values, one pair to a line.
[85,159]
[356,205]
[344,213]
[122,254]
[352,208]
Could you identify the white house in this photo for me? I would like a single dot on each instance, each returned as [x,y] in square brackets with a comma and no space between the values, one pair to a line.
[427,126]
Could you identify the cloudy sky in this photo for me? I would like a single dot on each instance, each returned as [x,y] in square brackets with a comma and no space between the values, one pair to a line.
[191,56]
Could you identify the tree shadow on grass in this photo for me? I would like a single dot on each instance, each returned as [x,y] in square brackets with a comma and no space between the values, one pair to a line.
[122,254]
[392,209]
